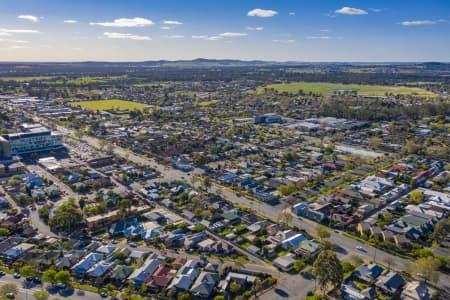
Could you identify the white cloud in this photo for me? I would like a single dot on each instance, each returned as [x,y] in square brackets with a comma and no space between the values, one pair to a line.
[166,27]
[262,13]
[351,11]
[28,18]
[284,41]
[292,13]
[219,36]
[70,21]
[254,28]
[169,22]
[174,36]
[318,37]
[124,22]
[418,23]
[8,32]
[377,10]
[233,34]
[126,36]
[19,47]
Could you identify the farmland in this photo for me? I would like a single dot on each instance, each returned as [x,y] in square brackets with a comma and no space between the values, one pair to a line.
[110,105]
[363,90]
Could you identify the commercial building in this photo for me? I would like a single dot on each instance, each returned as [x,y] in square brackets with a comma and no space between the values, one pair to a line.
[34,138]
[268,119]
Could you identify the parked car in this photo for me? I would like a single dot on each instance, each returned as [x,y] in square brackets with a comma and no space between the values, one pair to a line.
[16,275]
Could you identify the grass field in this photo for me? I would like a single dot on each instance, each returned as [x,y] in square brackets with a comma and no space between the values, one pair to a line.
[363,90]
[25,79]
[110,105]
[208,103]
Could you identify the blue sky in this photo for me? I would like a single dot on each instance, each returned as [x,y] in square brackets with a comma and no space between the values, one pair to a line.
[300,30]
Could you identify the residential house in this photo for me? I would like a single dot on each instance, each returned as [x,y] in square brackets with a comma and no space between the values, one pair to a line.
[204,284]
[140,275]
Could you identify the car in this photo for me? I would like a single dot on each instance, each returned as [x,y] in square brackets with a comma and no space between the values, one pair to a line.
[133,245]
[37,280]
[104,295]
[10,296]
[360,248]
[2,273]
[29,279]
[61,285]
[16,275]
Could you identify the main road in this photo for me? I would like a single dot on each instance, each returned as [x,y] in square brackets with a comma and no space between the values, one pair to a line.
[346,246]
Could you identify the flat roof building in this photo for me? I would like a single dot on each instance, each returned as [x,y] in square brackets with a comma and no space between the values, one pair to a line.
[34,139]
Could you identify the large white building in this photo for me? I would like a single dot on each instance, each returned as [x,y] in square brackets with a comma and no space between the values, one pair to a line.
[33,139]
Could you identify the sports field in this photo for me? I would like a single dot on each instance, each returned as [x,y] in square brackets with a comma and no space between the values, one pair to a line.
[110,105]
[363,90]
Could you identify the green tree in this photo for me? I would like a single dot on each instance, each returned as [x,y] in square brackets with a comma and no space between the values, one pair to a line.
[183,296]
[49,276]
[63,276]
[27,272]
[323,233]
[427,268]
[67,218]
[299,265]
[416,197]
[8,288]
[235,287]
[41,295]
[441,230]
[328,269]
[219,297]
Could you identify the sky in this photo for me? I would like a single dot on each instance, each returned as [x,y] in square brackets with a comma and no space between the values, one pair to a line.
[281,30]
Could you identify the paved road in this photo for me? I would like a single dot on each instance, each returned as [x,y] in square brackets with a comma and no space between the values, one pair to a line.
[26,293]
[348,246]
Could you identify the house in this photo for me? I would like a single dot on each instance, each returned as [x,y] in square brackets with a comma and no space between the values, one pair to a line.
[390,282]
[185,276]
[239,278]
[16,251]
[204,284]
[285,263]
[368,272]
[293,241]
[69,259]
[120,273]
[160,278]
[309,248]
[140,275]
[353,293]
[100,269]
[415,290]
[87,263]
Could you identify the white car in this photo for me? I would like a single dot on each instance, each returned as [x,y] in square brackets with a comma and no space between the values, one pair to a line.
[360,248]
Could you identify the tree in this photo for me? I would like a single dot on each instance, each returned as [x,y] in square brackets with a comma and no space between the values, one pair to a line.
[416,197]
[441,230]
[67,217]
[41,295]
[328,269]
[299,265]
[235,287]
[63,277]
[427,268]
[49,276]
[219,297]
[27,272]
[8,288]
[285,217]
[183,296]
[323,233]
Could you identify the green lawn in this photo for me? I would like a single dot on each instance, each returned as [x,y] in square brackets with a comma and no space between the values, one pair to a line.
[109,105]
[208,103]
[25,79]
[363,90]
